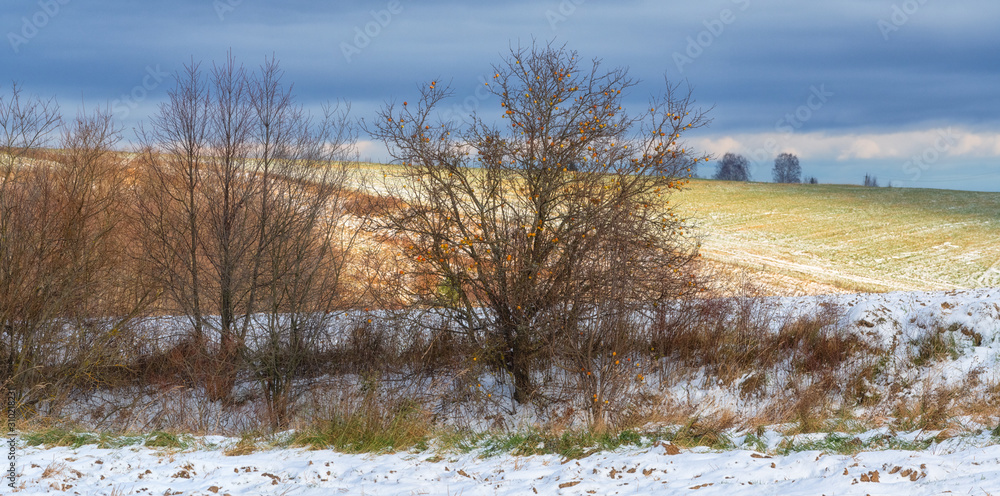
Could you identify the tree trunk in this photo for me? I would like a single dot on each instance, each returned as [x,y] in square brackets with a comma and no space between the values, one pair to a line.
[519,365]
[219,383]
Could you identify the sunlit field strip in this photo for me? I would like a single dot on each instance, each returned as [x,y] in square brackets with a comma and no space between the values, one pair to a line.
[856,238]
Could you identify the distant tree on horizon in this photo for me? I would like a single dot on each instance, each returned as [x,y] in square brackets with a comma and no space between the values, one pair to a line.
[733,167]
[787,169]
[871,181]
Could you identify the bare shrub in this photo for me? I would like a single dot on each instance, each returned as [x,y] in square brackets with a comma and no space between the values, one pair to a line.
[437,351]
[799,367]
[180,364]
[730,337]
[931,410]
[66,298]
[26,278]
[368,348]
[816,344]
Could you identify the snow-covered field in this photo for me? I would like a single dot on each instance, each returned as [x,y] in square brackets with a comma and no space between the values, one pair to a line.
[961,458]
[954,467]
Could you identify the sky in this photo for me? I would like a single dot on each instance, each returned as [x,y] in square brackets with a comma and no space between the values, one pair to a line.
[906,90]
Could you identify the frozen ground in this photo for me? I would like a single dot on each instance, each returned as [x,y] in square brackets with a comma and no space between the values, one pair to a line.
[954,467]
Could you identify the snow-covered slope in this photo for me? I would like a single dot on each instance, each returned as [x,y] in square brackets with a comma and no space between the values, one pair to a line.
[967,461]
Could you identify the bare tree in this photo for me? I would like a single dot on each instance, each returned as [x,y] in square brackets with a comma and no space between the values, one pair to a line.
[304,242]
[787,169]
[733,167]
[512,248]
[242,203]
[175,152]
[198,205]
[27,124]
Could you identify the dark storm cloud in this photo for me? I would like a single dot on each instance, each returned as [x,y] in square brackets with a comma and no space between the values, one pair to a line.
[890,65]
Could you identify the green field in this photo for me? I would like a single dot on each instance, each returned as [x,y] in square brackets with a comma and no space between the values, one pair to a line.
[817,238]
